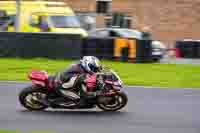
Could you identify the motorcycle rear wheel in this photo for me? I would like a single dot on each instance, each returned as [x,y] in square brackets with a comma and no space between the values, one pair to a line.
[116,105]
[32,104]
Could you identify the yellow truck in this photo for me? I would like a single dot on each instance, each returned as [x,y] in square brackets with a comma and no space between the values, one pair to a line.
[41,16]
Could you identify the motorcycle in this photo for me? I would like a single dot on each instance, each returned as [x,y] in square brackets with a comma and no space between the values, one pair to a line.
[110,97]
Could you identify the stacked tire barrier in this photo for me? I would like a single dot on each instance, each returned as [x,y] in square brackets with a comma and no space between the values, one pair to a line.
[63,46]
[133,50]
[144,51]
[99,47]
[188,49]
[31,45]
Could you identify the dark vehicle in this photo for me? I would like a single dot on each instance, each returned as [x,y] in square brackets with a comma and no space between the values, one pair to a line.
[109,98]
[158,47]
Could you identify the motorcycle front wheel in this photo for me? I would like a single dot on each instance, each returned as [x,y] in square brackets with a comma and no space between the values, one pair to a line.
[30,98]
[116,102]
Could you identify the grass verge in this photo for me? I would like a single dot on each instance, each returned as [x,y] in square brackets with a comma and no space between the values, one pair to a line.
[6,131]
[163,75]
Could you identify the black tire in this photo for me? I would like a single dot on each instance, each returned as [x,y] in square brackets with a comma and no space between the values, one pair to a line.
[116,108]
[29,90]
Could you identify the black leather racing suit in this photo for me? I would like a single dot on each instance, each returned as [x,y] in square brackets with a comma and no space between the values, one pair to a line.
[75,69]
[72,71]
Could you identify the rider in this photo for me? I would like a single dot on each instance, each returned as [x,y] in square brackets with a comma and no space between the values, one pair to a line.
[88,64]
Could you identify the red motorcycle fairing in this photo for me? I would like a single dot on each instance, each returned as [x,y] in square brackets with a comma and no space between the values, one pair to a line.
[38,78]
[116,83]
[91,82]
[40,83]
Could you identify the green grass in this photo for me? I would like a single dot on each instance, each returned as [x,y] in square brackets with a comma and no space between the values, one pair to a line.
[6,131]
[163,75]
[9,131]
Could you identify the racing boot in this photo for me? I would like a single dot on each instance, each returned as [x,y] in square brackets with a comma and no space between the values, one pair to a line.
[69,94]
[66,89]
[86,97]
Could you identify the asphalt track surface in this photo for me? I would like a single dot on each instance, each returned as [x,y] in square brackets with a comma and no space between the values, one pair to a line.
[150,110]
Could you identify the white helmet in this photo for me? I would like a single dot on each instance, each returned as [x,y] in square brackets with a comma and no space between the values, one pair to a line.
[91,64]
